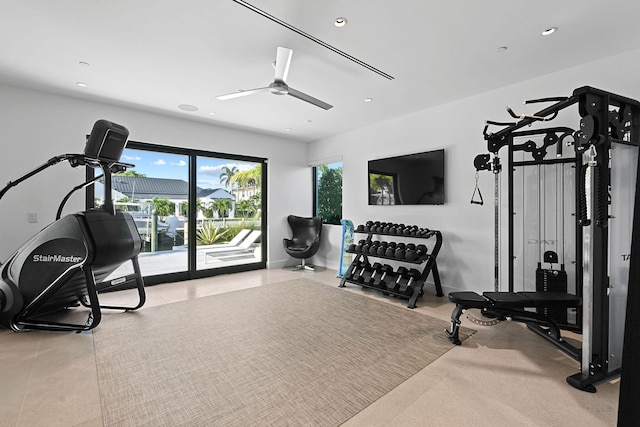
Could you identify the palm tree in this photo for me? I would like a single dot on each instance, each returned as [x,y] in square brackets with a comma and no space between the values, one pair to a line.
[250,178]
[222,206]
[226,177]
[246,208]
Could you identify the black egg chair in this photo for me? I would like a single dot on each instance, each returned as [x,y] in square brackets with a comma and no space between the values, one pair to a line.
[306,239]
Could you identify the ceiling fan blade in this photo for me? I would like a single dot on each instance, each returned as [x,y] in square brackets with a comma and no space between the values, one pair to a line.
[241,93]
[310,99]
[283,61]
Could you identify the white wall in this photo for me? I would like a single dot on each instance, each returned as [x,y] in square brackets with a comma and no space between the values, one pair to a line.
[37,126]
[466,259]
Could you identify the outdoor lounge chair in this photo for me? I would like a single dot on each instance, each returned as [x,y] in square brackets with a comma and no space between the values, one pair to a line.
[235,241]
[244,246]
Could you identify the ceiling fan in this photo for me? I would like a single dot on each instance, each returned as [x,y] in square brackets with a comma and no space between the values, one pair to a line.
[279,85]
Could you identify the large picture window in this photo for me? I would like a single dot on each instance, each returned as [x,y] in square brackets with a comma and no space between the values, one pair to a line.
[327,179]
[198,213]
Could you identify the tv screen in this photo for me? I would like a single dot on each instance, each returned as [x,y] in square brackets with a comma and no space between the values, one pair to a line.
[413,179]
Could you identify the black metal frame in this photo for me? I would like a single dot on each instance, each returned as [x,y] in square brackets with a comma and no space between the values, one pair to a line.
[431,267]
[23,321]
[192,154]
[605,118]
[314,183]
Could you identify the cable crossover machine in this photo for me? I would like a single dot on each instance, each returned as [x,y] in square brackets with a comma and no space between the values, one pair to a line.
[71,260]
[566,224]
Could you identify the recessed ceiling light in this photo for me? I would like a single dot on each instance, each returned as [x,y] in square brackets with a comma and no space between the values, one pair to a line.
[549,31]
[368,99]
[501,49]
[288,129]
[187,107]
[212,113]
[340,22]
[81,84]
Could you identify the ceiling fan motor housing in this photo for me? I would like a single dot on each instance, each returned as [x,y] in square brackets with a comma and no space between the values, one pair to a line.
[279,88]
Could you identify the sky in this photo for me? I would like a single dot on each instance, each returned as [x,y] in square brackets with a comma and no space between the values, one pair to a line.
[174,166]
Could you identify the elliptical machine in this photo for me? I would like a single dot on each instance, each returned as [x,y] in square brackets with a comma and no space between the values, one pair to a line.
[67,263]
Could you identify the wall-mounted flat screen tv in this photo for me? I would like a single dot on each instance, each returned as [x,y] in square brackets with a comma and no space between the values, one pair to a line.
[413,179]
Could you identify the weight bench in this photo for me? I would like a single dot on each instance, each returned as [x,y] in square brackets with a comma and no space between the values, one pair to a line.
[513,305]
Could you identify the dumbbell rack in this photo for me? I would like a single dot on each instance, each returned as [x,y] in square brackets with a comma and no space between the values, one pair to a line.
[411,291]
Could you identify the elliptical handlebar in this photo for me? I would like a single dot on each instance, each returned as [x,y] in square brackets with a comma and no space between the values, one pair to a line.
[103,149]
[74,160]
[49,163]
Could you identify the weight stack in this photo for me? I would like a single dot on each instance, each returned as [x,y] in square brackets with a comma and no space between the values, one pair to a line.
[550,280]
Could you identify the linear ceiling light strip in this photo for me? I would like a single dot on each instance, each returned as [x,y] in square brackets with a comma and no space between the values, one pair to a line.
[312,38]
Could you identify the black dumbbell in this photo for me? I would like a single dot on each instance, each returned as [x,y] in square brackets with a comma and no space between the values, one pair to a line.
[421,251]
[410,231]
[412,277]
[422,232]
[411,255]
[366,271]
[373,248]
[399,274]
[358,270]
[382,282]
[376,269]
[399,253]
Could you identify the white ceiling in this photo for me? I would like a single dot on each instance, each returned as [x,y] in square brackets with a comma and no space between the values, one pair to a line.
[157,54]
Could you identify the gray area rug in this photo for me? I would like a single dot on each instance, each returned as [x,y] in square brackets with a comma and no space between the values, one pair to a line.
[296,353]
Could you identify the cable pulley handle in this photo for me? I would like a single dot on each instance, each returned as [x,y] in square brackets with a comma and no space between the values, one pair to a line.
[477,190]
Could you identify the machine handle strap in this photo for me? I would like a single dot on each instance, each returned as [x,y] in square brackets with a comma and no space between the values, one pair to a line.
[477,190]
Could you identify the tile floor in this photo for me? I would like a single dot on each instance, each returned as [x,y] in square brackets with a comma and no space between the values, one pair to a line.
[503,375]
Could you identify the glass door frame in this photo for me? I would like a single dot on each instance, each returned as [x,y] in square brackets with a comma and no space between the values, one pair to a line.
[192,154]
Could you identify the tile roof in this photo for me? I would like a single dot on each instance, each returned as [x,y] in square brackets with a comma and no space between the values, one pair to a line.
[176,189]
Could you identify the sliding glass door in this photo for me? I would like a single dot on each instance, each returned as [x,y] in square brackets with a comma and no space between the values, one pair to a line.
[197,213]
[229,212]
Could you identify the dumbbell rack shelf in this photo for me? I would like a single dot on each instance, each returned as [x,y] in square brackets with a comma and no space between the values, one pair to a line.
[396,284]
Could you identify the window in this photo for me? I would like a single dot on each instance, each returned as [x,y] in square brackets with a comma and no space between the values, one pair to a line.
[198,213]
[327,189]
